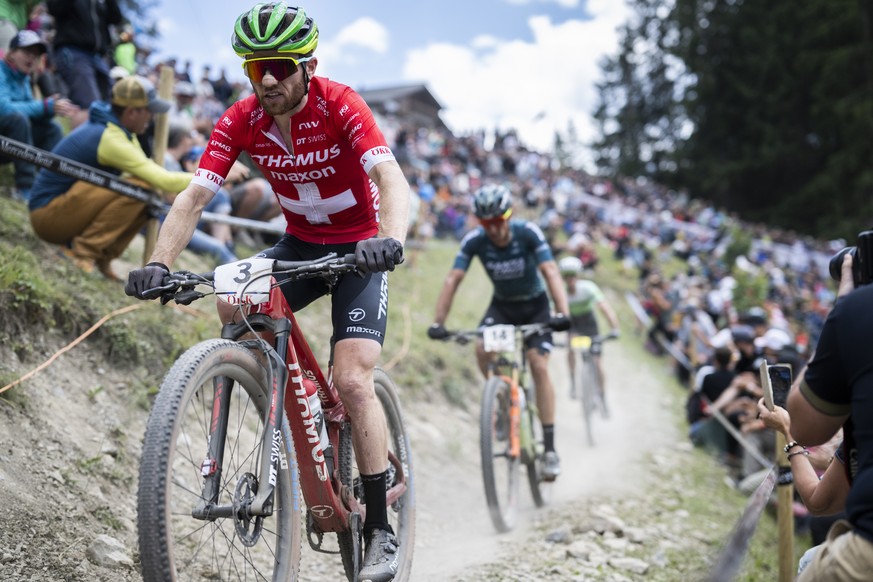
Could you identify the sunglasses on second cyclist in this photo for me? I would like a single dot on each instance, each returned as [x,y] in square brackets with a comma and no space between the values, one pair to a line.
[497,220]
[280,67]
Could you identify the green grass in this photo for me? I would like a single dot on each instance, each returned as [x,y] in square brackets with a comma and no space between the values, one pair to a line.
[424,368]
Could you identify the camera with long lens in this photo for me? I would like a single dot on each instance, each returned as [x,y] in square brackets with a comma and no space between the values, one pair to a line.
[862,260]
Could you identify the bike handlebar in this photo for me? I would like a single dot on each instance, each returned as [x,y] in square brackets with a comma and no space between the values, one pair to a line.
[463,336]
[599,339]
[180,285]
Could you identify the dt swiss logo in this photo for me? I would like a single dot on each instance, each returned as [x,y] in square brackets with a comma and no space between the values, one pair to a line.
[357,314]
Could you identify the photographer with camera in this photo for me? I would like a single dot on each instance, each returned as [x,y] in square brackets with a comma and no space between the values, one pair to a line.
[836,390]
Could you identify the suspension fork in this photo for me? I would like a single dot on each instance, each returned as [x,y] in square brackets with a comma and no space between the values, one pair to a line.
[211,467]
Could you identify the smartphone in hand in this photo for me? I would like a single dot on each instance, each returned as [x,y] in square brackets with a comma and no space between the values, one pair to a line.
[776,382]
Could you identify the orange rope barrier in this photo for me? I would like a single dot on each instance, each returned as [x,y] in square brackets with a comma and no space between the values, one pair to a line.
[78,340]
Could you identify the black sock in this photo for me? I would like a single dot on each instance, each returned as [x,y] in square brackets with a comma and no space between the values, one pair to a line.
[374,497]
[549,437]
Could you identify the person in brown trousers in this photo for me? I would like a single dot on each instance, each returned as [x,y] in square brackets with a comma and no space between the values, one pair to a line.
[95,224]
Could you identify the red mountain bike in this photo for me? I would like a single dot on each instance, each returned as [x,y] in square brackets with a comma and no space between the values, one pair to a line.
[235,434]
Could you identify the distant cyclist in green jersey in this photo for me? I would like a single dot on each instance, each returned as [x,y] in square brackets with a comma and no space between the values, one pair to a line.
[583,295]
[516,258]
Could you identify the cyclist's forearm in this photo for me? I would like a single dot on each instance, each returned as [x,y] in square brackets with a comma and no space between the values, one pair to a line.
[610,314]
[178,228]
[447,295]
[556,287]
[393,200]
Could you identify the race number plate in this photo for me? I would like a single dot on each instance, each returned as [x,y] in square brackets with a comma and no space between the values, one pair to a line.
[245,282]
[499,338]
[580,342]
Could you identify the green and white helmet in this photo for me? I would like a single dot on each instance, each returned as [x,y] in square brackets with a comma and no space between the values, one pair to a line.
[274,27]
[570,266]
[492,201]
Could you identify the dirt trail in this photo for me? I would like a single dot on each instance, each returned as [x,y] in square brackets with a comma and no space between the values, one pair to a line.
[454,530]
[71,481]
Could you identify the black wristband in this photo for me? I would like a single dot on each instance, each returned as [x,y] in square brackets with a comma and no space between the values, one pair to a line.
[157,264]
[791,445]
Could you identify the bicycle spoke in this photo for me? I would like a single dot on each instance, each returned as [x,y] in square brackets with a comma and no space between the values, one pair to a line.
[175,544]
[499,465]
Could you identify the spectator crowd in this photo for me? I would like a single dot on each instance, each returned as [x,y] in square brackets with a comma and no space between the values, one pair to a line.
[75,68]
[75,81]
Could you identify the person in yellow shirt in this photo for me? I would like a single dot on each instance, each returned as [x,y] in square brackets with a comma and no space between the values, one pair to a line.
[96,224]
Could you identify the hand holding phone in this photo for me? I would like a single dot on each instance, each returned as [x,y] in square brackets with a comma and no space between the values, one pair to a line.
[776,383]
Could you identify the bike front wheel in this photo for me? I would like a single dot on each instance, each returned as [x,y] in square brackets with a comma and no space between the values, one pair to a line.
[401,513]
[499,467]
[215,383]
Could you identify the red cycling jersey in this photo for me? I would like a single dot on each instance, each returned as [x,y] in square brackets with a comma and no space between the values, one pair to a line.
[322,184]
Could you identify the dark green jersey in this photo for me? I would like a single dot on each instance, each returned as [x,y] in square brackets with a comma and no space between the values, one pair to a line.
[514,269]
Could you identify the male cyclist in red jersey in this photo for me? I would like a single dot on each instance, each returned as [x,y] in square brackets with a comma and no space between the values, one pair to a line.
[341,190]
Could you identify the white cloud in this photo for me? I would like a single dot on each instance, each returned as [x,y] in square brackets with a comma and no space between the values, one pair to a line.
[167,27]
[534,86]
[564,3]
[364,33]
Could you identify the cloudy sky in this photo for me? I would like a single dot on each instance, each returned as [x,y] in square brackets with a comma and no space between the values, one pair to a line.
[527,64]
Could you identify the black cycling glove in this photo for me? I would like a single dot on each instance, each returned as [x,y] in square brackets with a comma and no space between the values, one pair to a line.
[378,254]
[149,278]
[437,332]
[559,322]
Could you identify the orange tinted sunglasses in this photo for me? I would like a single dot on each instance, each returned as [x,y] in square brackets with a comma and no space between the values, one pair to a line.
[280,67]
[497,220]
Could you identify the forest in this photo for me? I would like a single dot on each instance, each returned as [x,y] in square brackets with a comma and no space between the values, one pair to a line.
[762,108]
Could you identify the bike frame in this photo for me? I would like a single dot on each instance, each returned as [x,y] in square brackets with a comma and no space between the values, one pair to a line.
[330,502]
[587,347]
[517,365]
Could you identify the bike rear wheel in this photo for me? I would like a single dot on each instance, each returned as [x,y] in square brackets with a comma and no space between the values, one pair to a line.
[401,513]
[174,546]
[587,391]
[499,468]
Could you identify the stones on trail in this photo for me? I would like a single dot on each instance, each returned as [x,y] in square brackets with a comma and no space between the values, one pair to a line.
[108,552]
[600,542]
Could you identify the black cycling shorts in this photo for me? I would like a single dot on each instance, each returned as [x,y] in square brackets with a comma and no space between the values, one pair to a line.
[359,308]
[585,324]
[534,310]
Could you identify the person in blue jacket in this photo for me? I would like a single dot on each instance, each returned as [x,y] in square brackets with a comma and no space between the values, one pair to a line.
[23,117]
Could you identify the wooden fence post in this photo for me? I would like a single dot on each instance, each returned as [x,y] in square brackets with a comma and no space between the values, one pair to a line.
[785,514]
[159,148]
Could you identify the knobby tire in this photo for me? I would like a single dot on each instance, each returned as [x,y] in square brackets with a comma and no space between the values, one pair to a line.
[499,470]
[174,546]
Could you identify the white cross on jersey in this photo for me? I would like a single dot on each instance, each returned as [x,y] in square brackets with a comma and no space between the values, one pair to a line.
[316,209]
